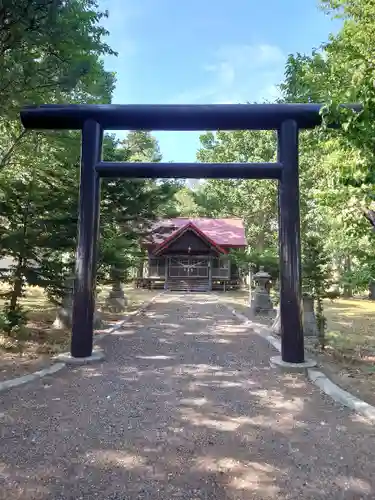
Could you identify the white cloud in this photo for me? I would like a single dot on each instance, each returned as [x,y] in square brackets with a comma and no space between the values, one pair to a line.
[225,72]
[239,73]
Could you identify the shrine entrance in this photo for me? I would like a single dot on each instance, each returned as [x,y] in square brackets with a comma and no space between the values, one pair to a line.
[92,120]
[188,267]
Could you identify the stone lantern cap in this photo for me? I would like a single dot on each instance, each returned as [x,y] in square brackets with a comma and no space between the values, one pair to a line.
[262,274]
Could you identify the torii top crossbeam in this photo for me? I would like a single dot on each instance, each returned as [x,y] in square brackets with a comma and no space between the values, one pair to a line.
[173,116]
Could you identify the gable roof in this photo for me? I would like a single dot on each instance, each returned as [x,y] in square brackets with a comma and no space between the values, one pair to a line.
[182,230]
[221,232]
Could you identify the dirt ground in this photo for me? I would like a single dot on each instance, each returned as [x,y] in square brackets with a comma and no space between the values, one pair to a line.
[349,357]
[185,406]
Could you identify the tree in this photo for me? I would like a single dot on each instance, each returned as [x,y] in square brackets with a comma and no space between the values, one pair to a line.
[342,71]
[50,51]
[252,200]
[39,230]
[185,203]
[30,218]
[316,276]
[130,206]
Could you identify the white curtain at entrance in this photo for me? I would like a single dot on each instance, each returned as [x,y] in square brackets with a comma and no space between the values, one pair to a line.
[188,267]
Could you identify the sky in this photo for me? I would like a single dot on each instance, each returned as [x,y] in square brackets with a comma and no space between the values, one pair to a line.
[206,51]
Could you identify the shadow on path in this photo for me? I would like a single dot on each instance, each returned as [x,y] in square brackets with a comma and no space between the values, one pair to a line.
[185,406]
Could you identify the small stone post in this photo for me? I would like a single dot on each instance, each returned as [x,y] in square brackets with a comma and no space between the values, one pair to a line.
[250,285]
[276,325]
[64,313]
[310,327]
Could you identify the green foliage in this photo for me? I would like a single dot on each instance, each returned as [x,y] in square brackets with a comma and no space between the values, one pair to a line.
[252,260]
[253,201]
[316,277]
[337,166]
[51,51]
[13,320]
[185,203]
[361,276]
[316,268]
[31,215]
[342,71]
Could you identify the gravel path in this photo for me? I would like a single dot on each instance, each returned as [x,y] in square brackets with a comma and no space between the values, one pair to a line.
[186,406]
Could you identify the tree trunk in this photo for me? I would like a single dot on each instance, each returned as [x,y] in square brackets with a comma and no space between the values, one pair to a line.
[348,291]
[259,245]
[17,286]
[250,285]
[321,323]
[371,290]
[140,269]
[18,275]
[260,241]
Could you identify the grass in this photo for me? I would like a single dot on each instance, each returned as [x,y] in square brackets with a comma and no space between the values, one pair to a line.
[349,357]
[350,323]
[351,327]
[38,338]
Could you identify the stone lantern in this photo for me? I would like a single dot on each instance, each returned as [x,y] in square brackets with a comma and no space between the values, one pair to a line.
[261,304]
[116,301]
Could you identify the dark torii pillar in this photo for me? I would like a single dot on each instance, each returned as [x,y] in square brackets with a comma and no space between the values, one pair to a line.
[88,229]
[292,345]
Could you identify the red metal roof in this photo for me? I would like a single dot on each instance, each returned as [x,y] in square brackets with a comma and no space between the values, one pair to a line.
[190,226]
[223,232]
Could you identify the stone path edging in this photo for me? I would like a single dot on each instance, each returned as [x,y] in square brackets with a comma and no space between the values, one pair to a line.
[56,367]
[315,376]
[145,305]
[15,382]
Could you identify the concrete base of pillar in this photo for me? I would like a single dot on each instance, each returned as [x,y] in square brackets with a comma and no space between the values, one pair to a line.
[284,366]
[97,355]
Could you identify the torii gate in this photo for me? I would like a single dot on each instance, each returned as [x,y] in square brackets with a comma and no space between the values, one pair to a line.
[93,120]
